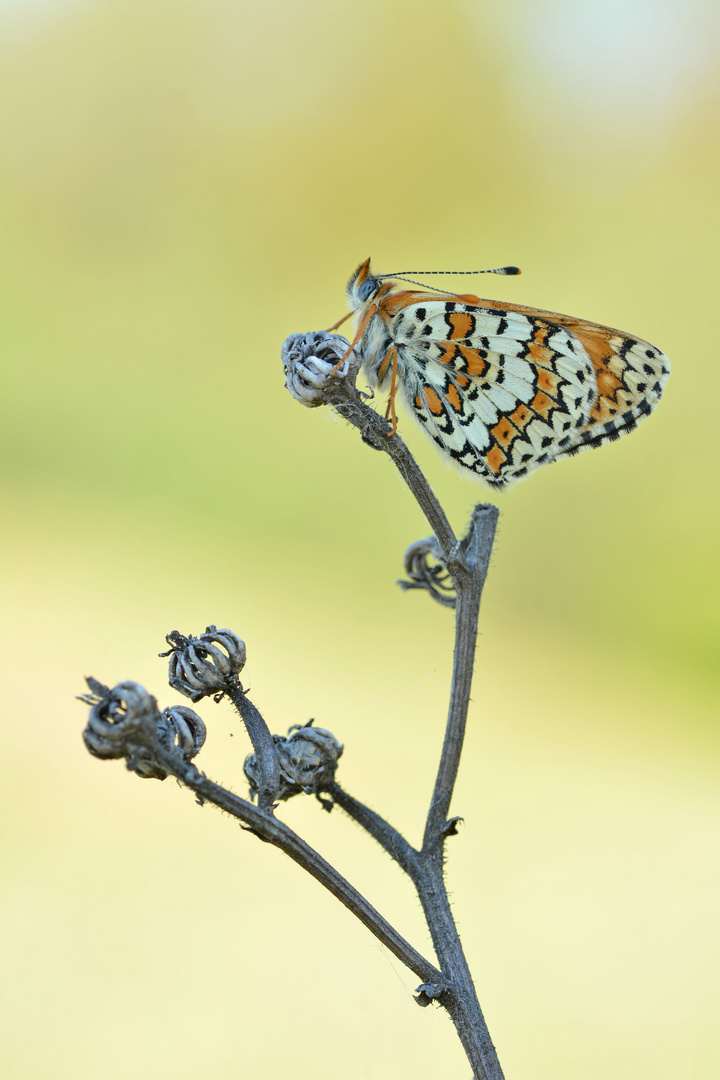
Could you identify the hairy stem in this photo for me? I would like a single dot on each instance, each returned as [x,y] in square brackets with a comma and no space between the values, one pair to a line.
[461,999]
[263,745]
[389,838]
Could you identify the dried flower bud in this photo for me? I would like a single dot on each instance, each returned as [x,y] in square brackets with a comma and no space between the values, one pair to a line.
[307,760]
[186,731]
[182,732]
[117,716]
[308,362]
[424,574]
[204,665]
[125,722]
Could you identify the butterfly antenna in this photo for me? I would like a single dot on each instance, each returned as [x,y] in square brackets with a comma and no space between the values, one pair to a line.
[433,273]
[508,270]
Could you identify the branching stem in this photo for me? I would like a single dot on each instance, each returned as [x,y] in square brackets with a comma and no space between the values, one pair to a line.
[275,832]
[155,748]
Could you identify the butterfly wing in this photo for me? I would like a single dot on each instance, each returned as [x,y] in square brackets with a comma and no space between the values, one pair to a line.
[499,390]
[631,375]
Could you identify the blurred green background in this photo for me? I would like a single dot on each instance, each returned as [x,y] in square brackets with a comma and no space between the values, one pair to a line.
[186,183]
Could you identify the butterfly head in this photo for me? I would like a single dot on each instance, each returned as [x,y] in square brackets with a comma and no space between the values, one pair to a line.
[362,286]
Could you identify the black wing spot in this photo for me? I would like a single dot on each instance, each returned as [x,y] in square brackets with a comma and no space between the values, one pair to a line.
[650,353]
[420,314]
[502,326]
[648,369]
[450,305]
[546,441]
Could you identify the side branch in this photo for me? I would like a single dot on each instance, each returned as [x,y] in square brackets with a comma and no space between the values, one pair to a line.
[381,830]
[269,828]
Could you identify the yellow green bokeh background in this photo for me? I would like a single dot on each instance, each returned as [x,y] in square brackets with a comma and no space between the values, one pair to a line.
[186,183]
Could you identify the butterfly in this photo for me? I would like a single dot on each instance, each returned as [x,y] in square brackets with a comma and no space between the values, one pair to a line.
[501,388]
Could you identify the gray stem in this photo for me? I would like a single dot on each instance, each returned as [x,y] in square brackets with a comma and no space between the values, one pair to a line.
[263,745]
[389,838]
[460,999]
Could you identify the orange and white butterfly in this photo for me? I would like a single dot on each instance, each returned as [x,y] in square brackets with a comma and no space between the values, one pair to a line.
[502,388]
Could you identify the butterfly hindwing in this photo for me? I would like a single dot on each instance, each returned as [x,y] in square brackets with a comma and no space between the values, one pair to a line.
[630,374]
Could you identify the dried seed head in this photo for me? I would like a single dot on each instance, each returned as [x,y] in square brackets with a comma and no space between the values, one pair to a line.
[179,730]
[125,722]
[117,717]
[307,759]
[308,363]
[204,665]
[425,567]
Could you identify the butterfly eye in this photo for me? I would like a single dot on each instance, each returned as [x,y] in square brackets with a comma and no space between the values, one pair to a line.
[367,288]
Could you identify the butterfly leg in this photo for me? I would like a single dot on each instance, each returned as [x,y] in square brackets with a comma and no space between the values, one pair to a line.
[368,315]
[390,358]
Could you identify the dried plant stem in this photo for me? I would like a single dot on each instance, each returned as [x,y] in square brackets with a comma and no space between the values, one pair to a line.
[460,999]
[275,832]
[263,746]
